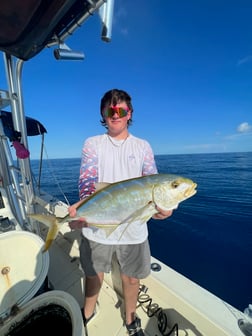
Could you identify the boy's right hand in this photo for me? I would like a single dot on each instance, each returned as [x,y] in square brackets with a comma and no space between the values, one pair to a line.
[78,223]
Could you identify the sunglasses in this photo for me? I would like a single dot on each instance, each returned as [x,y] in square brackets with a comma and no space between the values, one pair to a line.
[121,111]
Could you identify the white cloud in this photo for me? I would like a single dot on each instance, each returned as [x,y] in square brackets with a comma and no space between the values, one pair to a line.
[244,128]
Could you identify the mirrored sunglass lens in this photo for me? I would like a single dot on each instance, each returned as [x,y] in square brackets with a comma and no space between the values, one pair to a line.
[122,112]
[111,111]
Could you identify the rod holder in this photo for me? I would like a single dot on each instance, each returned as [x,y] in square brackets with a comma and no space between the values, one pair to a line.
[65,53]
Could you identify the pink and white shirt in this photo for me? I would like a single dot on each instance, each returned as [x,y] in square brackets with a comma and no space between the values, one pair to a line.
[106,159]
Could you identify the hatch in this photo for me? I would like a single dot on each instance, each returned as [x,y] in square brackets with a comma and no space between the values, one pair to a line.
[23,269]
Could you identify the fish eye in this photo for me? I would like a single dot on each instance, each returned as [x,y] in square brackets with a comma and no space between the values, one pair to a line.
[175,184]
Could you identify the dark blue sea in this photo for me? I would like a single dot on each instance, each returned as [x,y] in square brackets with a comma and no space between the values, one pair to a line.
[209,237]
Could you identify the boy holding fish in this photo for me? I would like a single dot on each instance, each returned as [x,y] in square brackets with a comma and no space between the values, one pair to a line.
[111,157]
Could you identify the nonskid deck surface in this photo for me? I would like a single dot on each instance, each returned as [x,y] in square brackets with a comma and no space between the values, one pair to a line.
[109,318]
[65,274]
[171,309]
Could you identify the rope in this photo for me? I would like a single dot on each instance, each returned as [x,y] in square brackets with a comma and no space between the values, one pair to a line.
[50,167]
[153,309]
[42,150]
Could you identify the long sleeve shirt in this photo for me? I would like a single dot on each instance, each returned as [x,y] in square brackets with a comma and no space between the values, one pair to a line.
[105,159]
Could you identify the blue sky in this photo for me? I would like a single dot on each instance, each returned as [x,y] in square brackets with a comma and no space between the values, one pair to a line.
[187,65]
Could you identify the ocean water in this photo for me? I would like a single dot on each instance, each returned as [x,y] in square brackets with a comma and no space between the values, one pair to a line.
[209,237]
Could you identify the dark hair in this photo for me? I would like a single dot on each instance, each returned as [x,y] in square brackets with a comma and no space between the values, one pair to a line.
[113,97]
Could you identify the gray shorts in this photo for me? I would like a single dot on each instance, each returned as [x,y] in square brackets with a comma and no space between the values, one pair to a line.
[134,260]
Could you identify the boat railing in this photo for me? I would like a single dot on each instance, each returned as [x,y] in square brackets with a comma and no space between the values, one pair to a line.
[15,174]
[10,180]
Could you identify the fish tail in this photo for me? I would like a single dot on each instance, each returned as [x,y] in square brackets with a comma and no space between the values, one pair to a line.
[51,235]
[52,223]
[47,244]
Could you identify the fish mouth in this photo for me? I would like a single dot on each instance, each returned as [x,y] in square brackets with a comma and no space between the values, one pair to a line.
[190,191]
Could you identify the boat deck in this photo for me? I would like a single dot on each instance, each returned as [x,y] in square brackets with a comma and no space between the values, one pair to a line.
[166,298]
[65,274]
[212,315]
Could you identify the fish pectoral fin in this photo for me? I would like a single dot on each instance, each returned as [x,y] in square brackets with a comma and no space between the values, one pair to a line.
[143,214]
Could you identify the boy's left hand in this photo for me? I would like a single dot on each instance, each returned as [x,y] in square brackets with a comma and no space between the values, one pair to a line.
[162,214]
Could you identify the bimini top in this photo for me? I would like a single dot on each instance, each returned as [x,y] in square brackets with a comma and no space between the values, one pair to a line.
[29,26]
[33,126]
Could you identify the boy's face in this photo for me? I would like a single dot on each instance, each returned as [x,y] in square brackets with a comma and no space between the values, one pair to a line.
[117,117]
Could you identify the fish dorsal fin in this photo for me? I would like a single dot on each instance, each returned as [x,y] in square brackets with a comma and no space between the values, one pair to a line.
[101,185]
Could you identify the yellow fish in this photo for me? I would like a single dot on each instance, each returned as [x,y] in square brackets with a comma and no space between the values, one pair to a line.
[124,202]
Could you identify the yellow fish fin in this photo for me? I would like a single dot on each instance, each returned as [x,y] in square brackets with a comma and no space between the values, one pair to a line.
[51,235]
[52,223]
[101,185]
[143,214]
[108,228]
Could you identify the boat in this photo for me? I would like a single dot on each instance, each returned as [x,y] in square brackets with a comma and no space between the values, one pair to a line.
[42,292]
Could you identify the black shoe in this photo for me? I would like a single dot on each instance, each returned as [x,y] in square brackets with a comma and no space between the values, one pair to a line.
[134,328]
